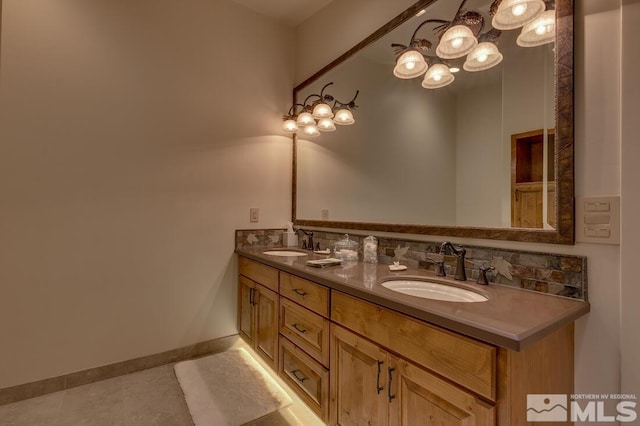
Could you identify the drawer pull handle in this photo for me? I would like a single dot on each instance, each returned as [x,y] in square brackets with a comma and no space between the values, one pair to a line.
[298,329]
[252,292]
[378,387]
[299,292]
[391,397]
[295,374]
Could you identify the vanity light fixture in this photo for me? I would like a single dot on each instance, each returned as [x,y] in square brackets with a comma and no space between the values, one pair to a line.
[484,56]
[512,14]
[456,42]
[463,36]
[326,124]
[541,30]
[438,76]
[344,117]
[410,64]
[316,115]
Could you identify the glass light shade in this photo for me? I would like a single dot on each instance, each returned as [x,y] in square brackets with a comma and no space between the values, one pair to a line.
[484,56]
[290,126]
[456,42]
[437,76]
[410,64]
[322,110]
[344,117]
[311,131]
[541,30]
[305,119]
[326,125]
[514,14]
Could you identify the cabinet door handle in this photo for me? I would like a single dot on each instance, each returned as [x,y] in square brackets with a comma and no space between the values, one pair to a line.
[378,387]
[391,370]
[298,329]
[294,373]
[299,292]
[251,296]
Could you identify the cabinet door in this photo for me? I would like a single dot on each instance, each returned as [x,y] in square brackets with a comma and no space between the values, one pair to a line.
[246,320]
[358,378]
[266,307]
[421,398]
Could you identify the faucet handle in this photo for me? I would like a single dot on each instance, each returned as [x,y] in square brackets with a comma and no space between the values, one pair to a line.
[438,261]
[482,276]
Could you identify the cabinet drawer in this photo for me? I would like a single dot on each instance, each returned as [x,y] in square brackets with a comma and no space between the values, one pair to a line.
[262,274]
[307,378]
[306,329]
[310,295]
[465,361]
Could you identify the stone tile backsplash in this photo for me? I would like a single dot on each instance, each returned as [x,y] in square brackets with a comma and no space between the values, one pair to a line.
[559,274]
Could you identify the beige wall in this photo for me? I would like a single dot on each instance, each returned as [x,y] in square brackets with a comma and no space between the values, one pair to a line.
[135,136]
[597,124]
[630,248]
[336,28]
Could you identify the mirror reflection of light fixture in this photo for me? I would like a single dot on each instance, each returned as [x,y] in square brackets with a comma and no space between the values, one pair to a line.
[410,64]
[541,30]
[437,76]
[484,56]
[456,42]
[463,36]
[315,114]
[514,14]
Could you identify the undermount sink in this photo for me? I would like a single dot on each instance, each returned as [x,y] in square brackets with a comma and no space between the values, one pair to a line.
[431,289]
[287,253]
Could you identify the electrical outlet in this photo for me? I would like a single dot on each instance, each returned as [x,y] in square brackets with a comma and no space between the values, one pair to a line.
[325,214]
[254,214]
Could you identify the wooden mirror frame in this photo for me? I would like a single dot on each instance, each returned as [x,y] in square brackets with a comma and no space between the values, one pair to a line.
[564,146]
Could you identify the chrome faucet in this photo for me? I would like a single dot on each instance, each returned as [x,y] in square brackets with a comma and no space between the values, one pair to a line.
[460,253]
[308,244]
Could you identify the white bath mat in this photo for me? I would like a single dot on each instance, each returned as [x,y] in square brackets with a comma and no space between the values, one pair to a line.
[228,389]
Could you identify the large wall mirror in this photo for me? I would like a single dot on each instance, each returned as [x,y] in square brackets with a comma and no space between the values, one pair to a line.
[488,156]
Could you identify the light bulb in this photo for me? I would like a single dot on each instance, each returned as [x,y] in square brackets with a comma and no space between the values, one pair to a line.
[311,131]
[305,119]
[326,125]
[437,77]
[519,9]
[542,29]
[456,42]
[482,57]
[410,65]
[322,110]
[454,69]
[289,126]
[344,117]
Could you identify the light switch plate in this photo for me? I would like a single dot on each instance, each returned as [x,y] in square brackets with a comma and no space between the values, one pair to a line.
[598,220]
[254,214]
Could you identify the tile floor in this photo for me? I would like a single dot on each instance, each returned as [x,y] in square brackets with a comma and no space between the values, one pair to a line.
[147,398]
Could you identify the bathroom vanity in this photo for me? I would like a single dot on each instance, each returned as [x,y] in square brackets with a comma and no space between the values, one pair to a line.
[359,353]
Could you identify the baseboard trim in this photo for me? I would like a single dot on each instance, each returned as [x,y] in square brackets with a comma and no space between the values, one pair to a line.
[79,378]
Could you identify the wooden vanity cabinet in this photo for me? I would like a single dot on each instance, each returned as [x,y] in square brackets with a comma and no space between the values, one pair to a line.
[370,386]
[357,363]
[258,306]
[304,340]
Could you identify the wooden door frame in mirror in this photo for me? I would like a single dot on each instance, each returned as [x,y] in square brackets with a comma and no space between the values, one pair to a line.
[564,163]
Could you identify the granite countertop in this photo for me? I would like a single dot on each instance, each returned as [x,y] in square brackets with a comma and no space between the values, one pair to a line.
[512,318]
